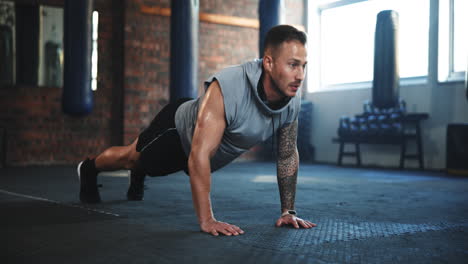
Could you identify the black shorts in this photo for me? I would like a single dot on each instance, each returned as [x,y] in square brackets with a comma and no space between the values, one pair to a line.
[160,146]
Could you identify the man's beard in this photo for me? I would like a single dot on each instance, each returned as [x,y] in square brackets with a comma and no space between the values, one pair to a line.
[277,89]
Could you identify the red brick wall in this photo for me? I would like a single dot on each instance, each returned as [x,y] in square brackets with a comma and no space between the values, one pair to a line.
[294,11]
[222,45]
[146,77]
[133,81]
[38,132]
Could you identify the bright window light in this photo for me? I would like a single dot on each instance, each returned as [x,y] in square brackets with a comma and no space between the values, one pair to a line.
[460,35]
[444,37]
[453,39]
[347,40]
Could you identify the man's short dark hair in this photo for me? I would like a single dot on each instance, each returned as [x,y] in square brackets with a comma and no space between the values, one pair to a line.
[282,33]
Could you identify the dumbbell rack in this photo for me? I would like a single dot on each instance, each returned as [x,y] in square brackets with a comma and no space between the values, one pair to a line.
[411,131]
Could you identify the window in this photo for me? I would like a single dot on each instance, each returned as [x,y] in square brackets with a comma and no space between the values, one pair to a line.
[7,43]
[453,39]
[50,46]
[31,44]
[346,30]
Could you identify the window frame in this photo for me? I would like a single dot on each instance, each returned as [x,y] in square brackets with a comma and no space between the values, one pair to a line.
[451,75]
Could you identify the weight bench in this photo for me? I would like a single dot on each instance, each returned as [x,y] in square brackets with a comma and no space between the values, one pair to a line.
[411,131]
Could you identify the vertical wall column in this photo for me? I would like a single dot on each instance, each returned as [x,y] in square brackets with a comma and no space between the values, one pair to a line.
[77,97]
[270,14]
[184,49]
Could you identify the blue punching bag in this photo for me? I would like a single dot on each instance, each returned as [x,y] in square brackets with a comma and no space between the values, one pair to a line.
[77,97]
[386,82]
[269,13]
[184,49]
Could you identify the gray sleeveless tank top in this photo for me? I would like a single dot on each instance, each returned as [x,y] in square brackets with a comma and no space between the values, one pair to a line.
[248,119]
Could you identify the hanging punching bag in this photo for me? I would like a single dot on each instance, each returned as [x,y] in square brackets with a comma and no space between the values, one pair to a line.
[184,49]
[385,85]
[77,97]
[269,13]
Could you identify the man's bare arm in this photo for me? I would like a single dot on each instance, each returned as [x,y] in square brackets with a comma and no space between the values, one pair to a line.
[287,168]
[207,136]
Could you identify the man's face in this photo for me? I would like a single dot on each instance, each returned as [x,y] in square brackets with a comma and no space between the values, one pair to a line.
[288,67]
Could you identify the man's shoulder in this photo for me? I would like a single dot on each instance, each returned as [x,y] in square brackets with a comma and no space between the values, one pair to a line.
[235,75]
[233,71]
[244,68]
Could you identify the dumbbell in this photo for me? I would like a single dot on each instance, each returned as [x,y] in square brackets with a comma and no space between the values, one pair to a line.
[372,124]
[354,126]
[344,127]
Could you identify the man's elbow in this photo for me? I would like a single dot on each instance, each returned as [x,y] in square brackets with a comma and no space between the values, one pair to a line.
[192,161]
[197,161]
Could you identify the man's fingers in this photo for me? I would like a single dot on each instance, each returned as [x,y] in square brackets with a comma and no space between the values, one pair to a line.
[240,231]
[232,230]
[229,230]
[235,229]
[226,229]
[226,232]
[295,224]
[279,222]
[310,223]
[302,223]
[305,224]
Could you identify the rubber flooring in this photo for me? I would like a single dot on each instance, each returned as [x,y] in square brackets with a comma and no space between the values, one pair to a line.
[363,216]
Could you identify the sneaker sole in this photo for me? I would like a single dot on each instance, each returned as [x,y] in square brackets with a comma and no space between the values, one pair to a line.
[78,169]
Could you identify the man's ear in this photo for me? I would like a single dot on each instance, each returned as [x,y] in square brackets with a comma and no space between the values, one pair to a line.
[267,63]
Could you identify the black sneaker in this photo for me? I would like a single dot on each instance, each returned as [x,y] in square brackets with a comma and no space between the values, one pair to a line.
[88,183]
[136,191]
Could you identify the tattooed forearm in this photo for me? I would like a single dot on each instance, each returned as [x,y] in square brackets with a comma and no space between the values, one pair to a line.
[287,165]
[287,189]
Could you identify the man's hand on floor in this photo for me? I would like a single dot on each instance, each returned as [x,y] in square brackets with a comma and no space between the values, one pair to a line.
[216,227]
[294,221]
